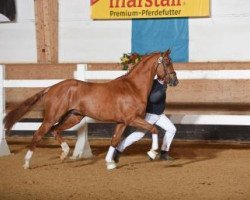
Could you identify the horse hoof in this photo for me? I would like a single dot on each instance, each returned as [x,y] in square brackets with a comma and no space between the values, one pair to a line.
[78,157]
[25,166]
[111,165]
[74,157]
[150,159]
[63,156]
[152,154]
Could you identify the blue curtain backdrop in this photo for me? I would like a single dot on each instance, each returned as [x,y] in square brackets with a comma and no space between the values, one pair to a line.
[149,35]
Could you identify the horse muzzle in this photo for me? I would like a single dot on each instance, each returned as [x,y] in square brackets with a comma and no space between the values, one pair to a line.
[173,82]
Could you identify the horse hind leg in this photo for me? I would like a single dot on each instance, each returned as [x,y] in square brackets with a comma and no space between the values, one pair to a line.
[69,122]
[43,129]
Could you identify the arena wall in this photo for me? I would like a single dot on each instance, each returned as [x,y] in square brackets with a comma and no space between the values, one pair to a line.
[201,108]
[222,37]
[192,96]
[18,39]
[215,43]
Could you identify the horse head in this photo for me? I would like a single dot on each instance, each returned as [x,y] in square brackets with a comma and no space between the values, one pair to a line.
[165,69]
[163,66]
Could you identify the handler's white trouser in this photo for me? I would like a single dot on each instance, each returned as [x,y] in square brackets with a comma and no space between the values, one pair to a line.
[160,120]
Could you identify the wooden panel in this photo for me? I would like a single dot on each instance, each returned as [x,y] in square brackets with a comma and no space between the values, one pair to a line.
[212,66]
[208,108]
[46,14]
[40,36]
[210,91]
[15,95]
[189,97]
[40,71]
[193,97]
[182,66]
[53,24]
[104,66]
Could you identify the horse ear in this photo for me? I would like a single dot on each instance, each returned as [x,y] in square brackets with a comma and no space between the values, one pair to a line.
[168,51]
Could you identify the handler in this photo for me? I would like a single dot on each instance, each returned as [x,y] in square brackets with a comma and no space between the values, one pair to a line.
[154,115]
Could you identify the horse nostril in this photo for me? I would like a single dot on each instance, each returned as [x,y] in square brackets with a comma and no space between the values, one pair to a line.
[175,82]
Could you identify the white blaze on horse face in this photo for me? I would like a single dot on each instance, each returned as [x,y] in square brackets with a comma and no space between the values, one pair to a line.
[160,60]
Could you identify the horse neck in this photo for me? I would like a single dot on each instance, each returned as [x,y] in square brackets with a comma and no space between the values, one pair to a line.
[142,76]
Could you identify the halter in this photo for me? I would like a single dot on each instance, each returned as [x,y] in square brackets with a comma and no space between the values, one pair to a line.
[172,81]
[165,65]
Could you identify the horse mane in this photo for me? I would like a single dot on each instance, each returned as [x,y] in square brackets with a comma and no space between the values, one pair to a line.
[144,59]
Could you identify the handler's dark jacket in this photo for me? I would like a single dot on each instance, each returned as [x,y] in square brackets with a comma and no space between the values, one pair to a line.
[157,97]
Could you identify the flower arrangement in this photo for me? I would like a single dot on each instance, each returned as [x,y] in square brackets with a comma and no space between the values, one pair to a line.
[128,59]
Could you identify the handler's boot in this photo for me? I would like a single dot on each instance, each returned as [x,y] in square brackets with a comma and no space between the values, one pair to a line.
[116,156]
[164,156]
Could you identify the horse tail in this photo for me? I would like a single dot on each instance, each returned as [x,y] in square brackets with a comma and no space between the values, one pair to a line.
[16,114]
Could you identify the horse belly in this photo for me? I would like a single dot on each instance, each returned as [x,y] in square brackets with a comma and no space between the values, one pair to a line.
[117,113]
[100,111]
[106,103]
[98,104]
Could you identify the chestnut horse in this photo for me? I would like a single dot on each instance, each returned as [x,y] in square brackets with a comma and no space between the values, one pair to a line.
[122,100]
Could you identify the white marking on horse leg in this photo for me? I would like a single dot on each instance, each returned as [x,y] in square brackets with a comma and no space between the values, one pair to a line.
[109,156]
[65,149]
[27,159]
[111,165]
[152,154]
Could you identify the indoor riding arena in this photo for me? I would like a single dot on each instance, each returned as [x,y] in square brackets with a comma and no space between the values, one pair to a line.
[77,87]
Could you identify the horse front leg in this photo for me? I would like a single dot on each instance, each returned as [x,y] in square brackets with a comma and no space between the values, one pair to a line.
[141,123]
[116,138]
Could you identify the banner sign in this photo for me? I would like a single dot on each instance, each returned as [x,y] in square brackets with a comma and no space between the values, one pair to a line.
[132,9]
